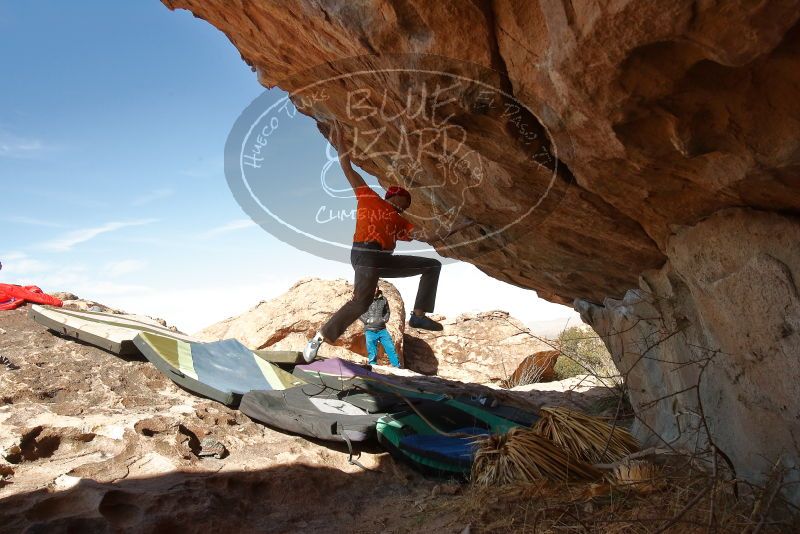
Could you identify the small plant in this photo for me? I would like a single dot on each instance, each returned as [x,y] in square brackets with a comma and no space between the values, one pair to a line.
[582,352]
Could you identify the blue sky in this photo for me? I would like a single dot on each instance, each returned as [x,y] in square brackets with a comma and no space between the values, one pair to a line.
[113,122]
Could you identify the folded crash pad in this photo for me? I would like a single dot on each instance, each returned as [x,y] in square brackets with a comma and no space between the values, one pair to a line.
[109,331]
[306,410]
[335,373]
[410,437]
[343,375]
[220,370]
[511,413]
[450,449]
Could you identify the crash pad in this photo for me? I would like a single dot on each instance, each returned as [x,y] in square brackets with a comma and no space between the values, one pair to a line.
[109,331]
[306,410]
[409,436]
[450,449]
[342,375]
[220,370]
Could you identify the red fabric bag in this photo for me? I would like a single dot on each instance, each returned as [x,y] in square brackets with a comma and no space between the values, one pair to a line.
[13,296]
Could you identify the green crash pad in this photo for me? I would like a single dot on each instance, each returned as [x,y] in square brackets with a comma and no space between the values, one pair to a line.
[408,437]
[220,370]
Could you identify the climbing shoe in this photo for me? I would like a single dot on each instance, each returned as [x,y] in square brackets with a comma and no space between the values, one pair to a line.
[310,352]
[424,322]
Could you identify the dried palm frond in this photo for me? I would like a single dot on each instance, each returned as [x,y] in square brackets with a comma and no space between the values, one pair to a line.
[638,475]
[523,456]
[588,438]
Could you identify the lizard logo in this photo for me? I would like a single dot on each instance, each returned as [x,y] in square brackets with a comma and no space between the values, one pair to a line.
[426,123]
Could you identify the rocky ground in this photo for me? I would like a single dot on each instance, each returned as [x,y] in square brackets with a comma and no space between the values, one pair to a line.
[473,347]
[93,442]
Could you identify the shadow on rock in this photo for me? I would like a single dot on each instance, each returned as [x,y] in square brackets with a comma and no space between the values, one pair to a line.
[418,356]
[284,498]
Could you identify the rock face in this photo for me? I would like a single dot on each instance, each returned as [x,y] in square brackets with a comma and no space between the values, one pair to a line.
[659,116]
[654,119]
[713,336]
[481,348]
[289,321]
[538,367]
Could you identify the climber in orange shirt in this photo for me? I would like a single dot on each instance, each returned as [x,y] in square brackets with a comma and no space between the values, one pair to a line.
[379,225]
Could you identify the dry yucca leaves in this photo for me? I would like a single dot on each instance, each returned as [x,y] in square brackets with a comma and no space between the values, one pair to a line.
[638,475]
[588,438]
[521,455]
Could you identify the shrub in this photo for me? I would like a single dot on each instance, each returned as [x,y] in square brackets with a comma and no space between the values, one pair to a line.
[582,352]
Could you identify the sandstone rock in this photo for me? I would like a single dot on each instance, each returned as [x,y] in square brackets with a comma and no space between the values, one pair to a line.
[289,321]
[636,100]
[658,116]
[705,342]
[484,347]
[538,367]
[478,348]
[73,302]
[64,295]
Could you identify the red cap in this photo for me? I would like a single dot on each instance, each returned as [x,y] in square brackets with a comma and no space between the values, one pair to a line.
[395,191]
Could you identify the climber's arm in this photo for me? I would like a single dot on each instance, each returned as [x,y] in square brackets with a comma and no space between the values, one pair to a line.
[353,177]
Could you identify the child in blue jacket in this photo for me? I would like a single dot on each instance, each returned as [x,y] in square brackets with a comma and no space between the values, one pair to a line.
[374,320]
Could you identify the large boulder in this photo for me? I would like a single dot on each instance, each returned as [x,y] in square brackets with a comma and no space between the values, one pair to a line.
[622,124]
[653,114]
[290,320]
[538,367]
[479,348]
[709,343]
[484,347]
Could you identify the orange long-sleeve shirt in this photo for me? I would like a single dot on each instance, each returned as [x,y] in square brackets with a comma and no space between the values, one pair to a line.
[377,220]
